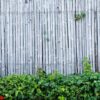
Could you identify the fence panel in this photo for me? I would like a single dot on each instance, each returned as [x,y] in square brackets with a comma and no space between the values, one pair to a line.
[48,34]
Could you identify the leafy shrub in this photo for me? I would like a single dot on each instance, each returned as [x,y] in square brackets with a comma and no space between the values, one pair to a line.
[51,87]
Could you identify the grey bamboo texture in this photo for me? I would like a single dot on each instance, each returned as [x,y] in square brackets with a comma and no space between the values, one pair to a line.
[44,34]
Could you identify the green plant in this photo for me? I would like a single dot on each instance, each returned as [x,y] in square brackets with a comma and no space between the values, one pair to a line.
[51,87]
[80,16]
[41,72]
[86,65]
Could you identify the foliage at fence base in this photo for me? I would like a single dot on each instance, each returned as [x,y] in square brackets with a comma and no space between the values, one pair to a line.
[51,87]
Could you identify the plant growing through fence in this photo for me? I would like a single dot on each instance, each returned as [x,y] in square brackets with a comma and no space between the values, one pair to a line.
[80,16]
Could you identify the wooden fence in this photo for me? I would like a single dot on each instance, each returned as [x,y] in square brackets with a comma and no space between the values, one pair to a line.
[48,34]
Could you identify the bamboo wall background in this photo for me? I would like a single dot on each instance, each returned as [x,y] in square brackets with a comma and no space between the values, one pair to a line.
[44,34]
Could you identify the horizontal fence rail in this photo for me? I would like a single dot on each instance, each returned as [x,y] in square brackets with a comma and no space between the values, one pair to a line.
[49,34]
